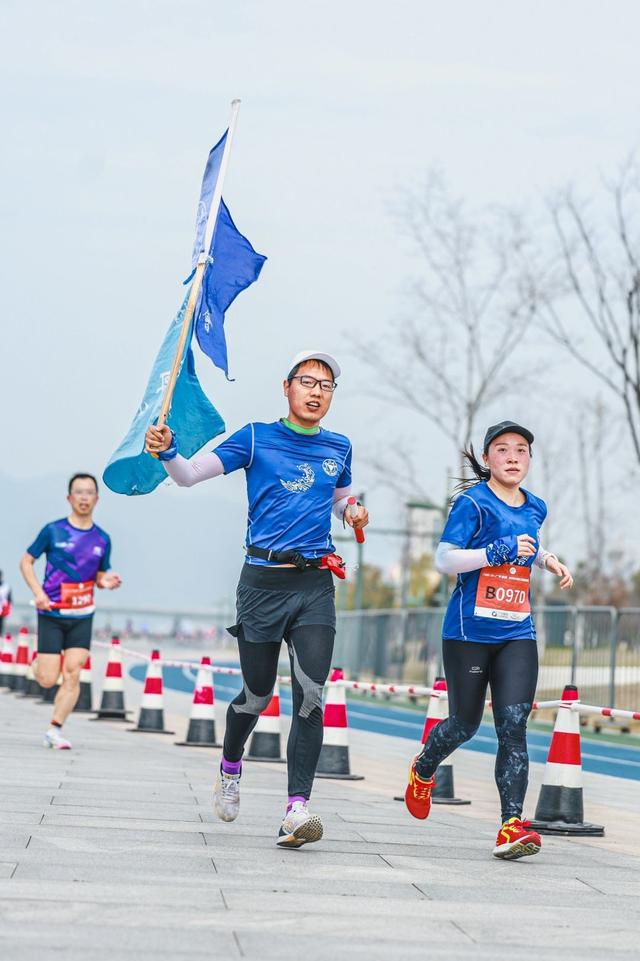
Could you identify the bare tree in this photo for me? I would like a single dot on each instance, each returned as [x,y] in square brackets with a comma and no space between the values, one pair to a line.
[598,271]
[592,436]
[471,304]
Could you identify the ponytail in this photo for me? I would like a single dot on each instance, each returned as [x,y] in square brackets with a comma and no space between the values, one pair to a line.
[481,473]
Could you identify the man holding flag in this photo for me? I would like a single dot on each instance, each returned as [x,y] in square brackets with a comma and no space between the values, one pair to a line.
[297,473]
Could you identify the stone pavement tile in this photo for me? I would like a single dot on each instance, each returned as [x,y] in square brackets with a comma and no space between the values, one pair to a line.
[21,783]
[615,886]
[135,823]
[274,858]
[569,936]
[337,887]
[134,792]
[536,896]
[79,852]
[127,811]
[277,945]
[27,802]
[63,940]
[19,896]
[297,903]
[367,867]
[160,869]
[13,839]
[19,817]
[105,837]
[77,799]
[126,779]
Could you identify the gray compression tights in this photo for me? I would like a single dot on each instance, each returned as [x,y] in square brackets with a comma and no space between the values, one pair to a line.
[310,652]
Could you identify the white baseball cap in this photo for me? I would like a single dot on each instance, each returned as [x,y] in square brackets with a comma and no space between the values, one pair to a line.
[316,355]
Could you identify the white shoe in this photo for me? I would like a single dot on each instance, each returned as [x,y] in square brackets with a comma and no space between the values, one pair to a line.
[53,738]
[299,827]
[226,796]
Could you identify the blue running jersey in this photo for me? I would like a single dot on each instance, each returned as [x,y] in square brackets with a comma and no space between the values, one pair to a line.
[291,479]
[493,604]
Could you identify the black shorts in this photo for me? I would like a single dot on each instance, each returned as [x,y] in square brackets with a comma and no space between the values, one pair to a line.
[56,634]
[271,602]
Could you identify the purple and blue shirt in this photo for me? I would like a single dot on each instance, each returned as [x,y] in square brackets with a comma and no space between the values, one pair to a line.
[74,557]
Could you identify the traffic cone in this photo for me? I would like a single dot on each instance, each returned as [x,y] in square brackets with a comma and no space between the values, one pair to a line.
[49,693]
[202,723]
[560,808]
[84,704]
[32,688]
[265,740]
[112,702]
[6,663]
[21,665]
[437,710]
[151,718]
[334,756]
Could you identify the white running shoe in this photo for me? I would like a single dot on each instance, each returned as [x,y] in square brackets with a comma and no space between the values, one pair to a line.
[226,796]
[53,738]
[299,827]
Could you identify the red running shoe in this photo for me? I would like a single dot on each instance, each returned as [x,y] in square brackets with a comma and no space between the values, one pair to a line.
[516,840]
[417,797]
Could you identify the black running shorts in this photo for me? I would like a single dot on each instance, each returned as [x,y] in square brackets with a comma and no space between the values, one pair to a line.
[57,634]
[272,601]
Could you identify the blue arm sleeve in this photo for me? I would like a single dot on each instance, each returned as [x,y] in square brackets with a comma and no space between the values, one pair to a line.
[105,563]
[345,477]
[236,451]
[464,522]
[41,544]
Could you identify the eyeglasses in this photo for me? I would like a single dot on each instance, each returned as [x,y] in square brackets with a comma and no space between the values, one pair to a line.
[310,383]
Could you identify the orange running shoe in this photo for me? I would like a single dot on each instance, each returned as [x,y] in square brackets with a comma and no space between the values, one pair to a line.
[516,840]
[417,797]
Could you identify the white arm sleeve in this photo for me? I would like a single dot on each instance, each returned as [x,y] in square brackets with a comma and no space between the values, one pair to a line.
[340,497]
[541,558]
[186,473]
[454,560]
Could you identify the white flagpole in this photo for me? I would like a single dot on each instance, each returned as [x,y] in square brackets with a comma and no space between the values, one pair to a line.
[196,284]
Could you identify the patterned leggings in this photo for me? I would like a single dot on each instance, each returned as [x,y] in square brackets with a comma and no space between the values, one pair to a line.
[510,669]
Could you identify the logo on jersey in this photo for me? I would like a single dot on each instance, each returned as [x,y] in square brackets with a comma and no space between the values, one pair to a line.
[97,550]
[303,483]
[330,467]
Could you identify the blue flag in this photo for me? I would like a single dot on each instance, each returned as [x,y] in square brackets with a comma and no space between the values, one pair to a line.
[232,267]
[193,417]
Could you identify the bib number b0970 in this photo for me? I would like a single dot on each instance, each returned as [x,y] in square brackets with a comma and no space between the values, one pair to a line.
[503,593]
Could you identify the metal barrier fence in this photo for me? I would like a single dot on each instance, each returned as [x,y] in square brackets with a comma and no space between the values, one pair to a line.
[596,648]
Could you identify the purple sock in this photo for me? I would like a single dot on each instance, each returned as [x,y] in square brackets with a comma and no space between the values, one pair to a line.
[292,800]
[230,767]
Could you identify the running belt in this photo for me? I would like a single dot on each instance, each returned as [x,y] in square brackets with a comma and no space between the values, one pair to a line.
[330,562]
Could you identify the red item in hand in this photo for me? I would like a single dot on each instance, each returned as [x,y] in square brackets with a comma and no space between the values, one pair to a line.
[352,507]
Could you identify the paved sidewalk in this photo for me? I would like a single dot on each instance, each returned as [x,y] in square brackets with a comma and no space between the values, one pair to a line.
[111,851]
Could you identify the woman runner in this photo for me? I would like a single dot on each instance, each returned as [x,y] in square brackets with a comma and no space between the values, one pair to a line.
[491,540]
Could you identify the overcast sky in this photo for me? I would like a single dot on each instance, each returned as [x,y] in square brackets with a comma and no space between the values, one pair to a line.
[109,111]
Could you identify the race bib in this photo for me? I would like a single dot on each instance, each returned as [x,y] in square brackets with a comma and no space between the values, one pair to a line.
[77,598]
[503,593]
